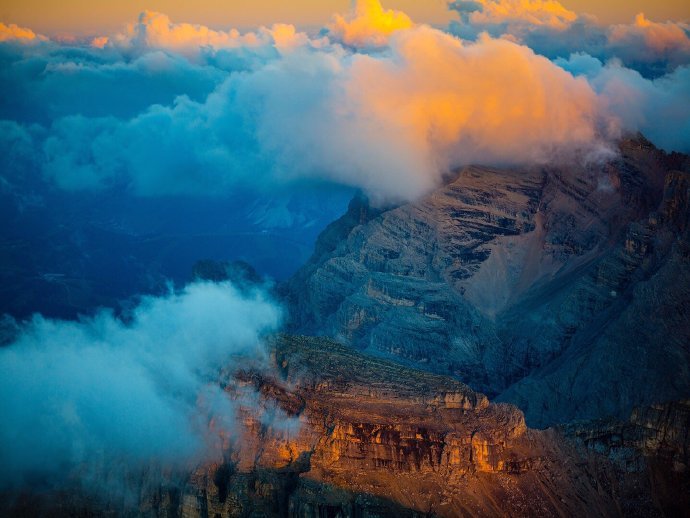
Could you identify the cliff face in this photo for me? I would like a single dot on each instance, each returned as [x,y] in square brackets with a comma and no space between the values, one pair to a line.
[527,285]
[326,431]
[372,438]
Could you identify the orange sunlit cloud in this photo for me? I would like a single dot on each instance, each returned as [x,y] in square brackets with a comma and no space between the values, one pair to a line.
[660,37]
[369,24]
[492,101]
[537,12]
[14,32]
[375,100]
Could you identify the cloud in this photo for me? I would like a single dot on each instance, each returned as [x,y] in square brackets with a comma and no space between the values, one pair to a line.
[167,108]
[156,30]
[15,33]
[651,48]
[394,124]
[51,81]
[645,42]
[517,20]
[136,392]
[368,25]
[391,123]
[100,42]
[656,107]
[492,101]
[514,13]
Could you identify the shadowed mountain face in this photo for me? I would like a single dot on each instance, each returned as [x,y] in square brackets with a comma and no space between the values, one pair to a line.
[563,290]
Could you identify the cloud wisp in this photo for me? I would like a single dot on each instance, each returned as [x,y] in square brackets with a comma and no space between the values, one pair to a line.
[103,392]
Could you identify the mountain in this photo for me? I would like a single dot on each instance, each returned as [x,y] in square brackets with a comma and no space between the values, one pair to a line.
[361,436]
[563,290]
[63,254]
[516,343]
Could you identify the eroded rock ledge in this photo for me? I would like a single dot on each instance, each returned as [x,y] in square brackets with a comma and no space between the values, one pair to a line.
[379,439]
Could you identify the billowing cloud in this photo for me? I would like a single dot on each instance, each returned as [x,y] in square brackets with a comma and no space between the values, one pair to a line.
[375,103]
[107,391]
[368,25]
[391,123]
[492,101]
[13,32]
[156,30]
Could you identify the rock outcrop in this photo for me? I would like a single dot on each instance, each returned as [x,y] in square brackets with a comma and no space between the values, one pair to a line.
[562,290]
[650,453]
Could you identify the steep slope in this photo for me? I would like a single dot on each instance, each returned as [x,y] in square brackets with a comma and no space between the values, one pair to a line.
[507,276]
[630,342]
